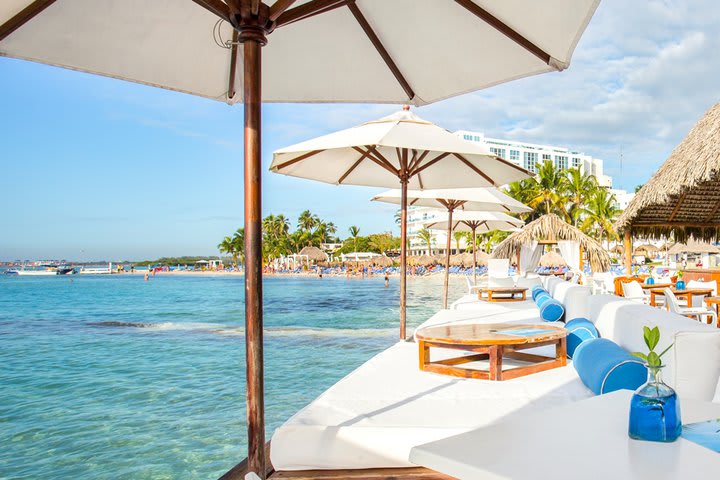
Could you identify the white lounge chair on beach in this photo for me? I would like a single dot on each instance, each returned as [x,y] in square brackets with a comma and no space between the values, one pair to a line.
[697,312]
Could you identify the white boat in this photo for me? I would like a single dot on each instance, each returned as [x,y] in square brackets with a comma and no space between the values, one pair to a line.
[45,270]
[97,270]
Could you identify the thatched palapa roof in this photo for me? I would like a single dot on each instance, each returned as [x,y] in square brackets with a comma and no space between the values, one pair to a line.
[314,254]
[683,197]
[693,246]
[551,228]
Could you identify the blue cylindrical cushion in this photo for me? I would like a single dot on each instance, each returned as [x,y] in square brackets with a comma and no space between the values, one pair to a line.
[537,290]
[552,310]
[604,367]
[579,331]
[542,299]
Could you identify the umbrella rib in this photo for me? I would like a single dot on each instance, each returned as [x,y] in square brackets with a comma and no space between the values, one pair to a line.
[381,49]
[431,162]
[216,7]
[474,168]
[278,8]
[233,64]
[309,9]
[513,35]
[354,165]
[23,17]
[382,161]
[298,159]
[677,208]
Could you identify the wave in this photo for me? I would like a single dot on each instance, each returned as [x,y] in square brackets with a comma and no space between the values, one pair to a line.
[290,331]
[160,325]
[220,329]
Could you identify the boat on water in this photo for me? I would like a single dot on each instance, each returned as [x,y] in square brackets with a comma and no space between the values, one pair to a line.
[43,270]
[97,270]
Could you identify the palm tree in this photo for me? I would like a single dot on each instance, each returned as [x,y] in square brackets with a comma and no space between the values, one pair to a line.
[580,187]
[228,246]
[354,233]
[458,236]
[549,190]
[426,236]
[600,212]
[238,241]
[307,221]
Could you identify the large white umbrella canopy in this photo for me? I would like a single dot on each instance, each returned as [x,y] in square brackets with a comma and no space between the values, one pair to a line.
[355,51]
[319,51]
[371,154]
[488,199]
[452,199]
[401,148]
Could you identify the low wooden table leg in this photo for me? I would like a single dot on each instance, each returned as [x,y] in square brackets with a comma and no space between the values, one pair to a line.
[496,353]
[561,351]
[424,352]
[489,294]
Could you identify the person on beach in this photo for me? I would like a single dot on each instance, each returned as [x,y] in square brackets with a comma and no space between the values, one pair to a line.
[147,275]
[387,280]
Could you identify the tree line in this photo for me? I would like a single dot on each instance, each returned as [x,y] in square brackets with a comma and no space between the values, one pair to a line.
[279,239]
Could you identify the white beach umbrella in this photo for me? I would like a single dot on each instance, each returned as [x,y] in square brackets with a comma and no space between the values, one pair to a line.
[319,51]
[401,148]
[452,199]
[477,222]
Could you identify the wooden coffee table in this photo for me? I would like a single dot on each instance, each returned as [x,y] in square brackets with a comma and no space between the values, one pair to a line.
[512,291]
[491,342]
[687,293]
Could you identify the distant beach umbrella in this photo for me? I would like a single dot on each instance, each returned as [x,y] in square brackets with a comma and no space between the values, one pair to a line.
[477,222]
[335,51]
[552,259]
[314,254]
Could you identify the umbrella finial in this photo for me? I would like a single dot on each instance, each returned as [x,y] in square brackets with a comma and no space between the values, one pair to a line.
[406,108]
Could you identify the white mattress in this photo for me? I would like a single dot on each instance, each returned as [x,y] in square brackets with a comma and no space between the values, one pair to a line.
[375,415]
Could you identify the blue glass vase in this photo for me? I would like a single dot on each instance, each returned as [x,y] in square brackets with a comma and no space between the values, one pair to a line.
[650,281]
[680,285]
[655,411]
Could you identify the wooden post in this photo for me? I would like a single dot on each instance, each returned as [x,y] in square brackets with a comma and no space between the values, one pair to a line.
[517,259]
[474,231]
[627,245]
[446,285]
[582,263]
[403,253]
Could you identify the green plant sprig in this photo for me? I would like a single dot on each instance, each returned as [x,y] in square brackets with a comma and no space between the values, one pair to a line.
[652,358]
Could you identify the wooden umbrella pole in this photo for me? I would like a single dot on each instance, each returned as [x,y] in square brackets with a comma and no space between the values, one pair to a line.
[253,25]
[474,231]
[253,260]
[446,285]
[627,244]
[403,253]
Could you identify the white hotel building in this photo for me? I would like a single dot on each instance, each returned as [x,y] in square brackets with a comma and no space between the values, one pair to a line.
[526,155]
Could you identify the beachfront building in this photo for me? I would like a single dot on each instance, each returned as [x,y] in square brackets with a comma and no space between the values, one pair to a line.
[417,218]
[530,155]
[622,198]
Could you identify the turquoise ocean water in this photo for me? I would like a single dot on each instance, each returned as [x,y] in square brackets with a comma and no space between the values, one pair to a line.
[113,377]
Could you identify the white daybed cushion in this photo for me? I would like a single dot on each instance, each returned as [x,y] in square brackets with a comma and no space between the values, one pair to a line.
[528,283]
[574,298]
[375,415]
[501,282]
[693,363]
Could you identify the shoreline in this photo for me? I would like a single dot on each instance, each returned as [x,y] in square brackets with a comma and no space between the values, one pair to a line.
[220,273]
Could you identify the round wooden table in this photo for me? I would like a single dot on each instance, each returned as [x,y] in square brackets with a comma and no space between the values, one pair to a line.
[491,342]
[687,293]
[714,301]
[507,292]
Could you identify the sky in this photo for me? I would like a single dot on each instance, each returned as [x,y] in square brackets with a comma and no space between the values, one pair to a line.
[95,168]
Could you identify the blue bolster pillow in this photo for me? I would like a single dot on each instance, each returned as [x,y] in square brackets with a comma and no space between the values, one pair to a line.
[552,310]
[542,299]
[579,331]
[537,290]
[604,367]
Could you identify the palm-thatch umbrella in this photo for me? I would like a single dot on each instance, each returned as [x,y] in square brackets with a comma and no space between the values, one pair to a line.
[426,260]
[618,249]
[314,254]
[383,261]
[456,260]
[552,259]
[456,199]
[548,229]
[475,259]
[476,221]
[645,250]
[683,196]
[693,246]
[344,51]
